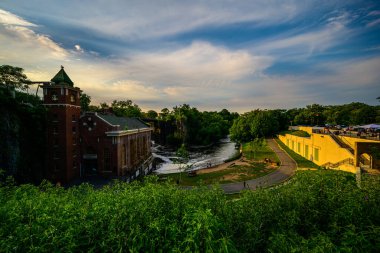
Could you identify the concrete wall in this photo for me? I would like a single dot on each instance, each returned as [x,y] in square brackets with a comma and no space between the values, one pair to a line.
[319,148]
[322,149]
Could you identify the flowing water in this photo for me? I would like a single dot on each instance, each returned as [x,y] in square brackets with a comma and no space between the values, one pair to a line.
[199,159]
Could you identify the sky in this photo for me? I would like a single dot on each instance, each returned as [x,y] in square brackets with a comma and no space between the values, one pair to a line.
[239,55]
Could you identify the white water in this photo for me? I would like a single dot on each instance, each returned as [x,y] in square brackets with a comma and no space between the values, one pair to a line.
[198,159]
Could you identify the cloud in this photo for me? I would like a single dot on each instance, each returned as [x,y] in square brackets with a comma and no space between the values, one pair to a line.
[373,23]
[374,13]
[17,30]
[307,43]
[197,64]
[7,18]
[78,48]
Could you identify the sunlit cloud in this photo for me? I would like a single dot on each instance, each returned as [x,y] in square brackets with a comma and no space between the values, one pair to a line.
[212,55]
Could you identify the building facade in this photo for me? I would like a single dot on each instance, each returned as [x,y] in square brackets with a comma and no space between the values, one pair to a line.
[82,144]
[334,151]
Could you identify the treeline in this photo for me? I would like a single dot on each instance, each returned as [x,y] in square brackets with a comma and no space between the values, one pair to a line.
[187,124]
[263,123]
[348,114]
[193,127]
[317,211]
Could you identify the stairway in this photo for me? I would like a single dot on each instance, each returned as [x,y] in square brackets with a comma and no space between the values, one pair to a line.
[349,161]
[341,143]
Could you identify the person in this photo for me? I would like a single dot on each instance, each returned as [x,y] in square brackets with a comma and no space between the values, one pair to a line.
[244,184]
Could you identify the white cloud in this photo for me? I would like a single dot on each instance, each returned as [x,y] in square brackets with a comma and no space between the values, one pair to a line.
[8,18]
[198,64]
[78,48]
[308,43]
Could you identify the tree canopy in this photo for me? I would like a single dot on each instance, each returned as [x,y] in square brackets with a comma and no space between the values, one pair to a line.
[13,77]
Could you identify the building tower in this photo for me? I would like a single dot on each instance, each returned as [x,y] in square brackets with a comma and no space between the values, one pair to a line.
[62,101]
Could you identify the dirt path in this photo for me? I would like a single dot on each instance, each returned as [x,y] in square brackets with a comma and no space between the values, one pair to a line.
[223,166]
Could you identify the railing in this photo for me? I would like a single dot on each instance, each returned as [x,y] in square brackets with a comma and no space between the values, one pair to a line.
[349,161]
[341,143]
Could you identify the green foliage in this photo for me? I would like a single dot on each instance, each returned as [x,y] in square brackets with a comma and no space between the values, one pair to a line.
[85,101]
[299,133]
[348,114]
[151,114]
[22,131]
[258,149]
[316,211]
[126,108]
[13,77]
[301,161]
[256,124]
[193,127]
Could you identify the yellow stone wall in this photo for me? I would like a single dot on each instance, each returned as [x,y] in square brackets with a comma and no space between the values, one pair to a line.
[322,149]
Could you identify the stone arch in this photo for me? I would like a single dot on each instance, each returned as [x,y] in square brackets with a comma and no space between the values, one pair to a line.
[369,151]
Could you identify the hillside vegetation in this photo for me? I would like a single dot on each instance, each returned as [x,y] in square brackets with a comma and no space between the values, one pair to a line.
[316,211]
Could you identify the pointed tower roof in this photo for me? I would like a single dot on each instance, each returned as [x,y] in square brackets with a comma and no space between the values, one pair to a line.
[62,78]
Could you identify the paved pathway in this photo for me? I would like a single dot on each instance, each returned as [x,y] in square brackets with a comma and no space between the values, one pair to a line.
[286,170]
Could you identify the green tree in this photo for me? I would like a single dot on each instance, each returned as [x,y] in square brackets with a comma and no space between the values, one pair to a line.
[256,145]
[126,108]
[151,114]
[13,77]
[164,114]
[182,159]
[85,101]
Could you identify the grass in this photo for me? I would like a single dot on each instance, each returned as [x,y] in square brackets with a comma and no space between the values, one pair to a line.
[259,155]
[301,161]
[235,173]
[299,133]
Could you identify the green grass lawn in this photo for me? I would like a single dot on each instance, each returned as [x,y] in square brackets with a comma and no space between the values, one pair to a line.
[299,133]
[235,173]
[259,155]
[301,161]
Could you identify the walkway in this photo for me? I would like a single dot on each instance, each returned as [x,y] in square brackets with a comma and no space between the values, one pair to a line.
[286,170]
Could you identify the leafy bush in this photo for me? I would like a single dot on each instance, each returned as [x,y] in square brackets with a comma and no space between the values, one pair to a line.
[315,211]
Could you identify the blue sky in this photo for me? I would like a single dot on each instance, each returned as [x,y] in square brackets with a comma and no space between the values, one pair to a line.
[239,55]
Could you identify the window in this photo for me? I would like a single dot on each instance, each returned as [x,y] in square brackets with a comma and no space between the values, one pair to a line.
[72,98]
[293,145]
[123,155]
[55,129]
[287,142]
[107,159]
[74,130]
[73,118]
[299,147]
[54,96]
[316,154]
[307,151]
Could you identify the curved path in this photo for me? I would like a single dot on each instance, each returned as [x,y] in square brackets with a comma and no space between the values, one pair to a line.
[286,170]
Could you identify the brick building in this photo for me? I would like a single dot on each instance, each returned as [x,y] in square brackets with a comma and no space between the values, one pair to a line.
[84,144]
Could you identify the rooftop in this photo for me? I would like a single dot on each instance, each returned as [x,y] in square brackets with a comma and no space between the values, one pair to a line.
[61,78]
[124,123]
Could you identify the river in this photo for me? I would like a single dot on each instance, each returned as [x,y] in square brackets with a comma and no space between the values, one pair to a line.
[199,159]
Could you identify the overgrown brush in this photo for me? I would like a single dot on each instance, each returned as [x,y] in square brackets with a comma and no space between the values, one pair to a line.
[316,211]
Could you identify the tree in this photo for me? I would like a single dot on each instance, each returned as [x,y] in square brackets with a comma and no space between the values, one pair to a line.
[85,101]
[13,77]
[256,145]
[126,108]
[182,160]
[151,114]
